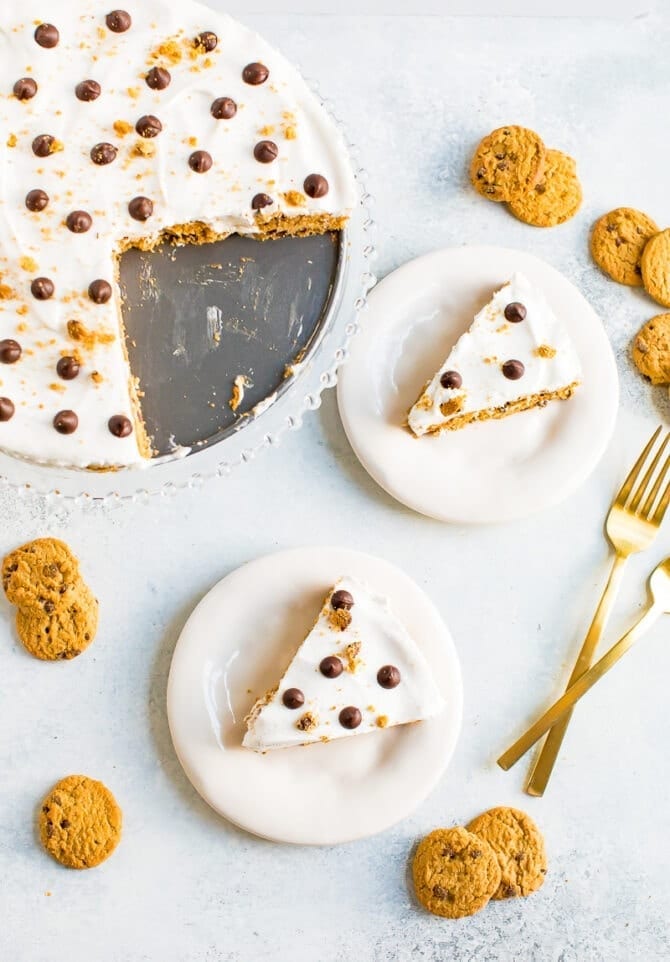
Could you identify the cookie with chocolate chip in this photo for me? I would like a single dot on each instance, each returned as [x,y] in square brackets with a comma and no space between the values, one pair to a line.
[651,350]
[59,632]
[519,849]
[555,198]
[80,822]
[455,873]
[508,162]
[655,263]
[617,241]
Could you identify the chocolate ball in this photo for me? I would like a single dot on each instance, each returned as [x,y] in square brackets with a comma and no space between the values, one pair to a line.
[515,312]
[255,74]
[6,409]
[342,599]
[141,208]
[293,698]
[42,288]
[103,154]
[47,35]
[350,717]
[66,422]
[158,78]
[88,90]
[266,151]
[100,291]
[316,186]
[451,379]
[206,41]
[331,666]
[79,221]
[260,201]
[148,126]
[25,88]
[200,161]
[120,426]
[37,200]
[513,370]
[388,677]
[223,108]
[118,21]
[43,145]
[10,351]
[68,368]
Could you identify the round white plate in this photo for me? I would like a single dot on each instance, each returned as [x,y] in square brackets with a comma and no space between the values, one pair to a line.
[237,644]
[491,471]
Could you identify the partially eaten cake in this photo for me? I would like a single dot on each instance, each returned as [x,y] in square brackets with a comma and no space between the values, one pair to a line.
[357,671]
[516,355]
[124,128]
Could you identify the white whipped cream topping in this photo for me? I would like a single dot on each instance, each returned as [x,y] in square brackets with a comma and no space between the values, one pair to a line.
[32,245]
[383,641]
[541,342]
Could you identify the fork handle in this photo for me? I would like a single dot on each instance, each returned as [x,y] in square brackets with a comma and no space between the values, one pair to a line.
[580,687]
[546,760]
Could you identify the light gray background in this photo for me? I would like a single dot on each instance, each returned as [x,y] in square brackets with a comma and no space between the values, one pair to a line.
[186,887]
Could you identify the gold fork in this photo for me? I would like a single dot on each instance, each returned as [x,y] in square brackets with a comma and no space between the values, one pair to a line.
[631,526]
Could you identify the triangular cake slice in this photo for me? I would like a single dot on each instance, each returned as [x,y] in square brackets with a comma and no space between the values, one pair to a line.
[357,671]
[516,355]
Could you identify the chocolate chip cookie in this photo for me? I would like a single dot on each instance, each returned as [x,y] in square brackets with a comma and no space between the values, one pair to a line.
[655,265]
[651,350]
[617,242]
[556,198]
[455,873]
[518,847]
[508,162]
[80,822]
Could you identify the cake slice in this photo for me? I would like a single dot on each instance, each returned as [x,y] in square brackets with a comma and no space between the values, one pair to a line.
[516,355]
[358,670]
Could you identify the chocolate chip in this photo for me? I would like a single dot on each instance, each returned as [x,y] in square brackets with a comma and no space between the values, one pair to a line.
[49,830]
[508,891]
[515,312]
[10,351]
[88,90]
[266,151]
[331,667]
[439,892]
[68,368]
[350,717]
[316,186]
[293,698]
[118,21]
[451,379]
[513,370]
[25,88]
[6,409]
[158,78]
[42,288]
[148,126]
[206,41]
[49,607]
[100,291]
[79,221]
[342,599]
[200,161]
[65,823]
[260,201]
[103,154]
[223,108]
[120,426]
[37,200]
[47,35]
[476,853]
[43,144]
[141,208]
[66,422]
[448,852]
[388,676]
[255,74]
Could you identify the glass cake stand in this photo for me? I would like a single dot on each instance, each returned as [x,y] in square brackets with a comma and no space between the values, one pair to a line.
[265,426]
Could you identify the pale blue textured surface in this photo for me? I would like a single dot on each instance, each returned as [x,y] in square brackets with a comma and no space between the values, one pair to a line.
[186,887]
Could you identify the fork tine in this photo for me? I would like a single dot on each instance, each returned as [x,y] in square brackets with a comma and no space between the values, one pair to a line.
[659,514]
[646,509]
[627,486]
[644,483]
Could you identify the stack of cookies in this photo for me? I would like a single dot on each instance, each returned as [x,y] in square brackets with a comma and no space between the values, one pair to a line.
[499,855]
[539,185]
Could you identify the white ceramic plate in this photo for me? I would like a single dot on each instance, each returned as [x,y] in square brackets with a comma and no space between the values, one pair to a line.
[236,645]
[493,471]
